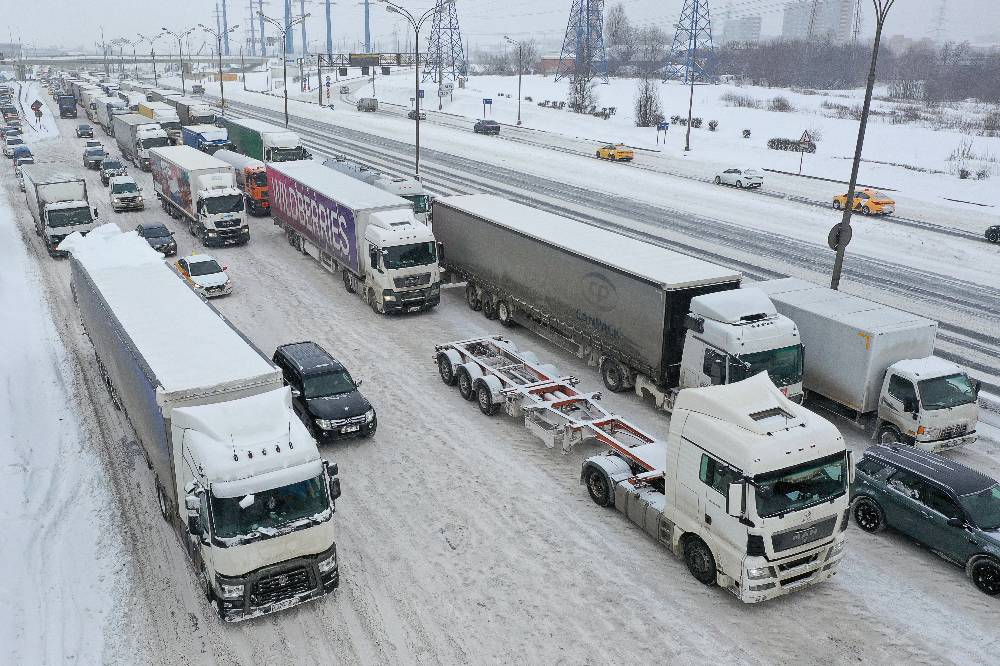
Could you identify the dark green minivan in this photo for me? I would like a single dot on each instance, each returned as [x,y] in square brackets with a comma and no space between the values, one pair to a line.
[952,509]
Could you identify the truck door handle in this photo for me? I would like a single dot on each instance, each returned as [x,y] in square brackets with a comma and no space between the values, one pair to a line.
[708,519]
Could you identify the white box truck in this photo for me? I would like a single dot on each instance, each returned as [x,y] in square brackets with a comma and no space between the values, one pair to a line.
[366,234]
[877,363]
[237,475]
[651,319]
[107,109]
[749,488]
[200,190]
[135,135]
[166,116]
[58,203]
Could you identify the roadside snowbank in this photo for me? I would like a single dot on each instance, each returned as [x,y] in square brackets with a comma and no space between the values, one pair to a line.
[59,587]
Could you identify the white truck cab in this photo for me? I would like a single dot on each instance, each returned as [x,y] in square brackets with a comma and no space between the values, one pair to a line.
[750,489]
[929,403]
[402,255]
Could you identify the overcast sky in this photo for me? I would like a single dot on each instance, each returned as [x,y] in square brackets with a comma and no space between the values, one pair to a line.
[75,23]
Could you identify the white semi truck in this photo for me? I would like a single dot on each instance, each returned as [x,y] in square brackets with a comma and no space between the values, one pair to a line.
[107,109]
[200,190]
[749,488]
[237,476]
[58,203]
[136,135]
[166,116]
[366,234]
[651,319]
[876,363]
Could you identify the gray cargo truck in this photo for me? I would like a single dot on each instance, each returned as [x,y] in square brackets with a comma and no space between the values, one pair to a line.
[623,304]
[875,363]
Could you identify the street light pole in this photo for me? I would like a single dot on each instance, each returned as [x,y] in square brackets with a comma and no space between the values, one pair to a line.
[218,40]
[415,23]
[283,29]
[180,52]
[152,53]
[842,235]
[520,68]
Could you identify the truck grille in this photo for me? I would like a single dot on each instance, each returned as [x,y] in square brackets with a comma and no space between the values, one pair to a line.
[954,431]
[227,224]
[415,296]
[280,586]
[412,280]
[808,533]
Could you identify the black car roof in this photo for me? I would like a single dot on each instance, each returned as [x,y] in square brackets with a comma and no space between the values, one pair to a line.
[154,227]
[309,357]
[956,476]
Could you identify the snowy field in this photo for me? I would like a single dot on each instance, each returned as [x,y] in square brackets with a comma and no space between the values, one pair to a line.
[462,539]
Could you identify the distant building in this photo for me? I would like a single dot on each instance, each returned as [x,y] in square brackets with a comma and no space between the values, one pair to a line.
[833,19]
[746,29]
[9,51]
[549,64]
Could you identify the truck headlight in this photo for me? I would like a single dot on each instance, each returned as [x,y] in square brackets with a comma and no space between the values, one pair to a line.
[436,288]
[836,549]
[759,572]
[370,415]
[212,234]
[324,424]
[389,297]
[246,229]
[329,564]
[229,590]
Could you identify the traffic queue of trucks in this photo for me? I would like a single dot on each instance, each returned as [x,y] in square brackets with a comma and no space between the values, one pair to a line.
[206,138]
[237,475]
[749,488]
[107,109]
[165,116]
[136,135]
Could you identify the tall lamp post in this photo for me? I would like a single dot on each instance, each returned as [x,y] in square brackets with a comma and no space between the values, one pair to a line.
[180,51]
[152,53]
[841,234]
[135,61]
[520,68]
[283,29]
[416,22]
[218,41]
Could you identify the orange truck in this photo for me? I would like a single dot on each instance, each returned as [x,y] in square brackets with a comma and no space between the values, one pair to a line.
[251,179]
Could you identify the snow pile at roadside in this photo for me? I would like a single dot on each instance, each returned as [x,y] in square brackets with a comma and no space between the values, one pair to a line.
[59,585]
[36,128]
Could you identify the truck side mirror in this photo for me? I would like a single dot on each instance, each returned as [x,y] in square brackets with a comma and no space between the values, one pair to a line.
[192,504]
[734,500]
[194,525]
[976,385]
[956,522]
[97,213]
[851,469]
[335,488]
[295,392]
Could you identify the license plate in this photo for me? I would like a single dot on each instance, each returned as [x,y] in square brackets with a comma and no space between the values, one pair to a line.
[282,605]
[350,428]
[231,242]
[415,308]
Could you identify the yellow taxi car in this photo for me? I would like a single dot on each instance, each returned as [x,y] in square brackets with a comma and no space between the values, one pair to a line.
[615,152]
[868,202]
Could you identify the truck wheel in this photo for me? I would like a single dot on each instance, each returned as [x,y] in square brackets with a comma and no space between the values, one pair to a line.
[718,181]
[888,435]
[700,561]
[489,306]
[993,235]
[348,283]
[598,487]
[485,399]
[868,515]
[161,501]
[472,297]
[611,373]
[504,314]
[985,574]
[445,369]
[465,384]
[378,307]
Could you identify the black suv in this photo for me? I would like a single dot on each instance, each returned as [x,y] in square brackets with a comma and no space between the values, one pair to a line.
[324,395]
[111,167]
[159,238]
[84,131]
[486,127]
[950,508]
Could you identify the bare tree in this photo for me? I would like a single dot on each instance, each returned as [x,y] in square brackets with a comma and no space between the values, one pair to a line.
[651,51]
[582,93]
[620,37]
[648,111]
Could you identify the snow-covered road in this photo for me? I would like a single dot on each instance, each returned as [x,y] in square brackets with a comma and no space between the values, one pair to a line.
[462,539]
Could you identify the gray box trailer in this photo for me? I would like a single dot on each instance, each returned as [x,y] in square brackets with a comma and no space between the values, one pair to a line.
[597,292]
[849,342]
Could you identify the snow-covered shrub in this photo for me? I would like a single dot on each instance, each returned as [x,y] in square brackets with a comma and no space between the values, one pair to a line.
[780,104]
[793,145]
[696,122]
[713,125]
[741,100]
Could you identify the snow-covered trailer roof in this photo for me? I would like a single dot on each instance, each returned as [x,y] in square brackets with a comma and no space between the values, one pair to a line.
[669,269]
[345,190]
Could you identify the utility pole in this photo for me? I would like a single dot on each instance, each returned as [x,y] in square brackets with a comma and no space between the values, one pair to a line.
[368,28]
[840,235]
[218,42]
[520,69]
[225,26]
[329,30]
[302,26]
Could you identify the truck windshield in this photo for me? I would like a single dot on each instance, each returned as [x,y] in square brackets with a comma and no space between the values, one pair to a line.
[68,217]
[270,510]
[945,392]
[170,125]
[155,142]
[229,203]
[124,188]
[407,256]
[983,508]
[801,486]
[330,383]
[287,154]
[420,202]
[784,365]
[260,179]
[208,119]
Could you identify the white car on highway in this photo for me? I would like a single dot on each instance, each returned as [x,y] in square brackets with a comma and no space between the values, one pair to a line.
[205,275]
[741,178]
